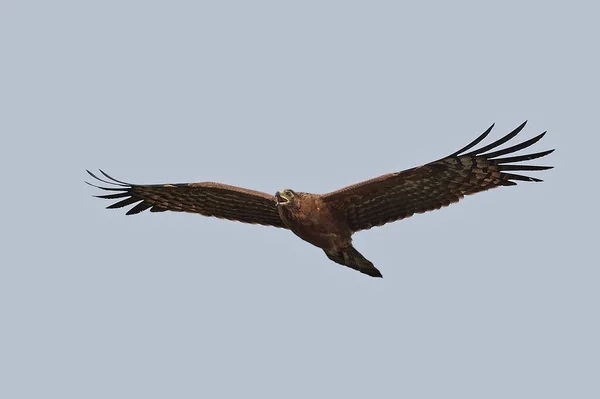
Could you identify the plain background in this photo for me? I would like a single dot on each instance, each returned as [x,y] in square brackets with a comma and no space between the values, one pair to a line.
[494,297]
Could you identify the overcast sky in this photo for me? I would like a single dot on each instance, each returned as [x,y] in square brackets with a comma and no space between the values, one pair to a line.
[494,297]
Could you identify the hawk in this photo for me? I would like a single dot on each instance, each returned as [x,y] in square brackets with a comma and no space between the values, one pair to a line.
[328,221]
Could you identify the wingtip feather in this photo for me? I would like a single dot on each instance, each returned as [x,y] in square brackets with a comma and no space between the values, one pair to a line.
[113,179]
[473,143]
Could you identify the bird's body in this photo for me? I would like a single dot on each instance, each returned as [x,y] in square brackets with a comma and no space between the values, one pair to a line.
[322,225]
[315,221]
[328,221]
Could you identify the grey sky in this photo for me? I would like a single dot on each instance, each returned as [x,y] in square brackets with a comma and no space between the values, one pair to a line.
[494,297]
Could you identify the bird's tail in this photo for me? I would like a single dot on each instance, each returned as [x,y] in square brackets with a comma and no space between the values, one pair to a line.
[352,258]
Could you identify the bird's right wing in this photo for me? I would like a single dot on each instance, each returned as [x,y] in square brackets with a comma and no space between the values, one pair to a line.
[208,199]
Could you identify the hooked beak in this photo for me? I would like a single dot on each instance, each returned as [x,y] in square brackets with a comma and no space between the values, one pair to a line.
[281,199]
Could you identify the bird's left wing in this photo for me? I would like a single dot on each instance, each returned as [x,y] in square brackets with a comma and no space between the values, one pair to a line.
[208,199]
[440,183]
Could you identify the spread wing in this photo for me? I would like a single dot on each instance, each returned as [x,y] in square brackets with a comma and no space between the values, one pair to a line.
[440,183]
[208,199]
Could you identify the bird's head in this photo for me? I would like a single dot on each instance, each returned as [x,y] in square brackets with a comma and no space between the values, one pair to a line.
[285,197]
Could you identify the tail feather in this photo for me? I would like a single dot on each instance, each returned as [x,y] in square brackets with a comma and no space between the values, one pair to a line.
[352,258]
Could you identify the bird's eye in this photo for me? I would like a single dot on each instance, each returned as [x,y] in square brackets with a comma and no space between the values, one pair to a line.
[289,192]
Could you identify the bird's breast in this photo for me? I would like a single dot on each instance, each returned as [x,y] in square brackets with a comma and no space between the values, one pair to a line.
[318,225]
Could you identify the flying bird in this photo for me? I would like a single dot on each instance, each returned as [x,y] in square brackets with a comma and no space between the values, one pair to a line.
[328,221]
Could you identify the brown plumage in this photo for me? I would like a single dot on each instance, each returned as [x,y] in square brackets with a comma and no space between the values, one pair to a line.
[329,220]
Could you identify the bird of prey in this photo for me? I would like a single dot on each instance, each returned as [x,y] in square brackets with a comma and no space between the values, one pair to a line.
[328,221]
